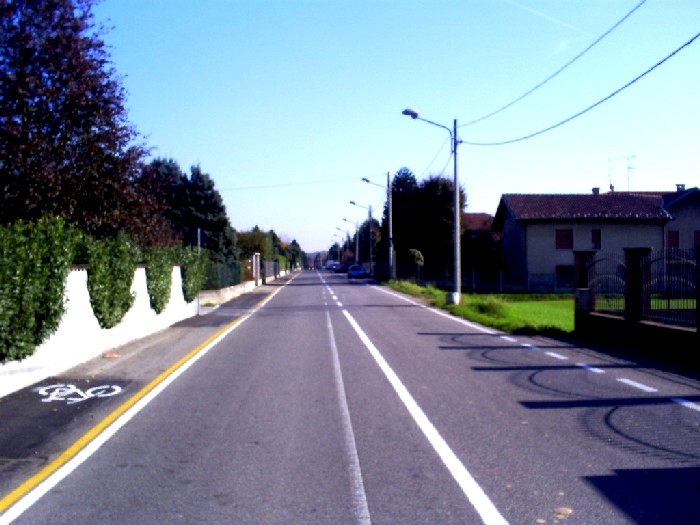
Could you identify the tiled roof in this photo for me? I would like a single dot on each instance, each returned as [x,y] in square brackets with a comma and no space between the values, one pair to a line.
[605,206]
[477,221]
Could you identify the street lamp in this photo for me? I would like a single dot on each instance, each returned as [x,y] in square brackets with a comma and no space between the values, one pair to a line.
[392,274]
[455,296]
[371,254]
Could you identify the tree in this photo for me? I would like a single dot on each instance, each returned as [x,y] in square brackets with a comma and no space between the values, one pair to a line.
[434,231]
[256,241]
[66,146]
[404,188]
[294,254]
[190,204]
[423,219]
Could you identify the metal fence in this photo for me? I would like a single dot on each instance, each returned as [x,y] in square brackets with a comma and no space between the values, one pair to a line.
[606,280]
[641,284]
[669,287]
[220,275]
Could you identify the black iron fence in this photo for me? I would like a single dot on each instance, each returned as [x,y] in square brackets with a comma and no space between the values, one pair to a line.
[642,285]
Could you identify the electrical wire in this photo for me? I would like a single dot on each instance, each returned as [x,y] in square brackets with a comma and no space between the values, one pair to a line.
[589,108]
[435,157]
[269,186]
[560,70]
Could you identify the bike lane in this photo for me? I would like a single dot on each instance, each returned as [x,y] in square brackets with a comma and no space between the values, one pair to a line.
[44,426]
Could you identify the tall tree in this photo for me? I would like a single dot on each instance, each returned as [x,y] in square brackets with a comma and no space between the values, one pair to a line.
[204,209]
[404,188]
[66,146]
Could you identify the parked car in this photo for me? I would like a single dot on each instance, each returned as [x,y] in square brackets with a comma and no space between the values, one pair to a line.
[357,271]
[330,265]
[340,268]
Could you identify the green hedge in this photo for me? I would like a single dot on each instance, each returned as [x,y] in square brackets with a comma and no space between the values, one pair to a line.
[35,259]
[192,272]
[112,263]
[159,273]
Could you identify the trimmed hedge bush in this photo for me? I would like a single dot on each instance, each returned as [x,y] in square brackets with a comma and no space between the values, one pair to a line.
[35,259]
[193,273]
[112,263]
[159,273]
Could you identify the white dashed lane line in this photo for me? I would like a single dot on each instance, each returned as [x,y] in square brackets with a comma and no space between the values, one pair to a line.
[629,382]
[591,368]
[686,403]
[639,386]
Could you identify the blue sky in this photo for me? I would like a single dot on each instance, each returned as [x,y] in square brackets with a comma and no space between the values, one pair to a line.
[288,104]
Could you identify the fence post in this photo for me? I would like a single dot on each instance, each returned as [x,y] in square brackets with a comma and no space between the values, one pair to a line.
[584,296]
[635,279]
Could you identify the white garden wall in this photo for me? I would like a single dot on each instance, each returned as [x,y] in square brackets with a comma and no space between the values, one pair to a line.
[79,336]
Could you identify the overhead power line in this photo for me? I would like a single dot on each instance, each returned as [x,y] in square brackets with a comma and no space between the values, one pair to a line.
[285,185]
[589,108]
[557,72]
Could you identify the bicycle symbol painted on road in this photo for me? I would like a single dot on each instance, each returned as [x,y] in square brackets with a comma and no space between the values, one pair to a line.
[71,394]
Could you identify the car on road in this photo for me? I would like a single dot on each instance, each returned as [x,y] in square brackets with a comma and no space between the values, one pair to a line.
[330,265]
[357,271]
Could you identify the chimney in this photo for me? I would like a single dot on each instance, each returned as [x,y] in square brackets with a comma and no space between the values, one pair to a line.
[596,191]
[680,187]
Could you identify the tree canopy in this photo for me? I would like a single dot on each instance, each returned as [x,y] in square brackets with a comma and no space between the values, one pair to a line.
[66,146]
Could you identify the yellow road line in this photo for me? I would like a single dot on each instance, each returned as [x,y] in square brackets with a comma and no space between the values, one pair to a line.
[27,486]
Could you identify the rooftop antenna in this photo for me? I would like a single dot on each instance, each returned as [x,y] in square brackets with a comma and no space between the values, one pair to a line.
[629,159]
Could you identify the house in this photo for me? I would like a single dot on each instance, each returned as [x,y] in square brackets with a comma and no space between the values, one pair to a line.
[539,233]
[683,231]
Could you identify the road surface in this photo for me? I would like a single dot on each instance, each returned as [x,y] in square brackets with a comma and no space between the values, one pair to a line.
[330,401]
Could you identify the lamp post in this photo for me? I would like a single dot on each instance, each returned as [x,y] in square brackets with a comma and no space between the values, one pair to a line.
[357,241]
[455,296]
[371,255]
[392,272]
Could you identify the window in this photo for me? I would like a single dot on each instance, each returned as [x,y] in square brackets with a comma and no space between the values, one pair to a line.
[596,239]
[673,239]
[564,239]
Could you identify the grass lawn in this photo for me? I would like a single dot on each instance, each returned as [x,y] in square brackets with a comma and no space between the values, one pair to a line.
[509,313]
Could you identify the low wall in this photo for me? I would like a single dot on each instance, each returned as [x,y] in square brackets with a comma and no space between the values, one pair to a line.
[79,336]
[672,344]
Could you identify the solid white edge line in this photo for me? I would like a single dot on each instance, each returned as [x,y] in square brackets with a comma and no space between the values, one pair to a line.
[359,496]
[474,493]
[438,312]
[54,479]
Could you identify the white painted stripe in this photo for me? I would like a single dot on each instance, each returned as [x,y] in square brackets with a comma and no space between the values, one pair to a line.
[528,345]
[54,479]
[339,304]
[475,494]
[359,496]
[686,403]
[471,325]
[639,386]
[557,356]
[509,339]
[591,368]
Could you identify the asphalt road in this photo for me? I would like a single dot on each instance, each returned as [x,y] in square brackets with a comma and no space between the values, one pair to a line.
[338,402]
